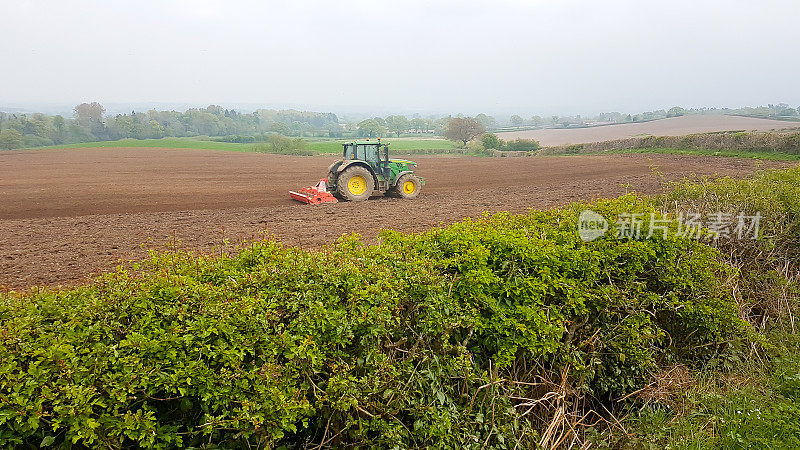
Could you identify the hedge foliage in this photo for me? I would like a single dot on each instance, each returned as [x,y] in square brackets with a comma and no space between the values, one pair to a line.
[787,142]
[749,399]
[434,339]
[770,265]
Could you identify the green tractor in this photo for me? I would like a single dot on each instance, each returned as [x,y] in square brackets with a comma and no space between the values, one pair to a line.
[366,169]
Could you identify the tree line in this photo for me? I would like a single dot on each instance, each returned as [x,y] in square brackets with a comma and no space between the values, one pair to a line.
[90,122]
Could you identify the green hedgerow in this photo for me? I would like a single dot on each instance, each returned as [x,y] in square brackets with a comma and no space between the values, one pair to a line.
[422,340]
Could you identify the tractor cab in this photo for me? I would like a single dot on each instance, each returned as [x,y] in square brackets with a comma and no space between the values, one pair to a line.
[373,153]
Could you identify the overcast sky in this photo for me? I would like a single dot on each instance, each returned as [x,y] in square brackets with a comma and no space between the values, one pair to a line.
[528,57]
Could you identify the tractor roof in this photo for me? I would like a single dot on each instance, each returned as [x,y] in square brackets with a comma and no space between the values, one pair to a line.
[376,142]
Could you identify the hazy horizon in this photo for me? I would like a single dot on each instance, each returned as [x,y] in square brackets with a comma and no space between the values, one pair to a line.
[524,57]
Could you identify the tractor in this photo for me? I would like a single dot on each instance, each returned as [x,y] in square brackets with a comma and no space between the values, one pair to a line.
[364,170]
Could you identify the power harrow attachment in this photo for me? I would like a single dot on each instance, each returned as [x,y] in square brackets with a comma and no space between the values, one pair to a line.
[314,195]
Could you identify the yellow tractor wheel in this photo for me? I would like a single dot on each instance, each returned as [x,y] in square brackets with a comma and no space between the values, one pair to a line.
[355,184]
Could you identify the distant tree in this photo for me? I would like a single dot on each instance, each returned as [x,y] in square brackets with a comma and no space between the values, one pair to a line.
[202,122]
[215,109]
[397,124]
[555,119]
[155,130]
[333,131]
[676,111]
[278,127]
[463,129]
[90,116]
[77,133]
[10,139]
[491,141]
[89,113]
[41,125]
[488,122]
[439,126]
[516,121]
[58,122]
[351,125]
[58,133]
[419,125]
[371,128]
[537,121]
[298,128]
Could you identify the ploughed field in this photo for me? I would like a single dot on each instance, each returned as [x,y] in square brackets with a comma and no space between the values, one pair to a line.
[65,214]
[674,126]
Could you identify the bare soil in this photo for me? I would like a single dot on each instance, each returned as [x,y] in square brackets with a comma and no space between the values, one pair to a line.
[67,214]
[675,126]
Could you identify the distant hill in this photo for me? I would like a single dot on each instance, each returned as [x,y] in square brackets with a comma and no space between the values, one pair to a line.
[675,126]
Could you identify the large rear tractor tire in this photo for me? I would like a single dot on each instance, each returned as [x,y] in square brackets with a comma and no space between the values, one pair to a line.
[408,186]
[355,184]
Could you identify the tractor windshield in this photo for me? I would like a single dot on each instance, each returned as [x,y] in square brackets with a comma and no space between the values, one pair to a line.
[355,151]
[364,152]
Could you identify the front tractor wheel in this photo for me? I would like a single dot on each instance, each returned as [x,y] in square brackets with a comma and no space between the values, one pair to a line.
[355,184]
[408,186]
